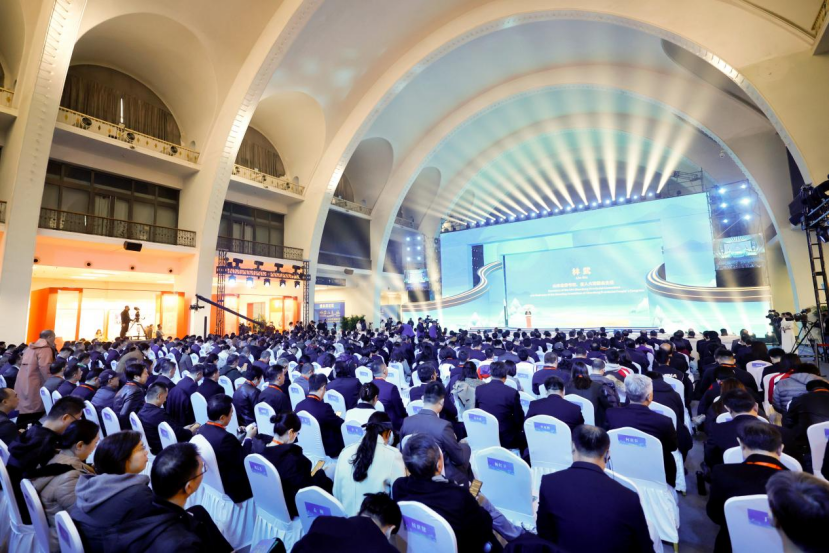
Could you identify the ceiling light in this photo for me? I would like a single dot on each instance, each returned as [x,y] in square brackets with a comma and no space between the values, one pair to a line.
[636,196]
[723,205]
[249,282]
[581,206]
[721,190]
[296,284]
[650,194]
[607,202]
[231,280]
[747,217]
[278,266]
[282,284]
[745,201]
[621,200]
[743,186]
[266,282]
[593,204]
[557,210]
[569,207]
[725,220]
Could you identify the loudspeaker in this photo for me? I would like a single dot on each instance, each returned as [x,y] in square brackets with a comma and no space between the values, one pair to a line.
[133,246]
[348,271]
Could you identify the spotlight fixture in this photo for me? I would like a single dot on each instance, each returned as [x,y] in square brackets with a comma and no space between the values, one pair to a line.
[650,194]
[607,202]
[296,284]
[721,190]
[258,264]
[743,186]
[296,268]
[725,221]
[231,280]
[238,261]
[745,201]
[636,196]
[621,200]
[593,204]
[249,282]
[569,208]
[557,210]
[278,266]
[267,283]
[581,206]
[282,284]
[723,205]
[747,217]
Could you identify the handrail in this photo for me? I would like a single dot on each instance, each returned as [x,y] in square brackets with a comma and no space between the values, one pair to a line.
[123,134]
[249,247]
[85,223]
[2,212]
[280,183]
[6,97]
[351,206]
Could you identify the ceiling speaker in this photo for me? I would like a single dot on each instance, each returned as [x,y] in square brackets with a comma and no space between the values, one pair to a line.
[133,246]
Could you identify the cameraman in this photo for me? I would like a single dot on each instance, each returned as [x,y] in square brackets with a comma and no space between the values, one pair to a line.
[125,321]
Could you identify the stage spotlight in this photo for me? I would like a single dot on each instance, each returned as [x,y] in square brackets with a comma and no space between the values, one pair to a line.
[723,205]
[725,221]
[267,283]
[296,268]
[621,200]
[721,190]
[249,282]
[408,238]
[231,280]
[581,206]
[743,186]
[745,201]
[747,217]
[569,207]
[258,264]
[650,194]
[278,266]
[533,214]
[593,204]
[636,196]
[503,220]
[408,259]
[238,261]
[607,202]
[296,284]
[282,284]
[229,264]
[419,258]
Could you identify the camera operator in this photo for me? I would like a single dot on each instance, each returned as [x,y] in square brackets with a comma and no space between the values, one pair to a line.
[788,332]
[125,321]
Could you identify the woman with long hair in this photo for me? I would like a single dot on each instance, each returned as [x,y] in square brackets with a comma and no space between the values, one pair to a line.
[369,466]
[366,405]
[465,387]
[582,385]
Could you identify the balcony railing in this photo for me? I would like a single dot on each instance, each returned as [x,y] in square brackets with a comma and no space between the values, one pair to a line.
[258,248]
[114,228]
[6,97]
[122,134]
[408,223]
[2,212]
[351,206]
[280,183]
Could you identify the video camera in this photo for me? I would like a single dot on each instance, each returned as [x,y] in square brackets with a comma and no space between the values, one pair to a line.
[137,317]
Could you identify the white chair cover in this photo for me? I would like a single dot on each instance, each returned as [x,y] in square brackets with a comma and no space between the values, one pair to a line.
[755,369]
[55,397]
[166,435]
[2,382]
[263,414]
[194,358]
[227,385]
[47,400]
[292,365]
[481,429]
[296,394]
[526,399]
[364,375]
[681,484]
[4,454]
[233,425]
[750,526]
[199,407]
[271,512]
[18,536]
[111,424]
[310,437]
[317,367]
[508,481]
[352,431]
[587,409]
[628,483]
[414,407]
[818,434]
[312,502]
[395,376]
[524,374]
[336,400]
[677,385]
[550,448]
[37,514]
[734,455]
[238,382]
[91,414]
[511,383]
[113,365]
[136,425]
[68,536]
[424,530]
[638,456]
[234,520]
[724,417]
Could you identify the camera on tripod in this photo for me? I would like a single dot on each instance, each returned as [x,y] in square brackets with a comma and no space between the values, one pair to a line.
[803,316]
[137,317]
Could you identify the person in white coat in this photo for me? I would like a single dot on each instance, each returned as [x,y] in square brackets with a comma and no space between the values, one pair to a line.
[369,466]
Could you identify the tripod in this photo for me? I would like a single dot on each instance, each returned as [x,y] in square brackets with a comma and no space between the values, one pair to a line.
[803,335]
[137,323]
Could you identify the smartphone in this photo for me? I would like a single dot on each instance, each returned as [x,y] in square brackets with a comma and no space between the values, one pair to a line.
[475,487]
[318,466]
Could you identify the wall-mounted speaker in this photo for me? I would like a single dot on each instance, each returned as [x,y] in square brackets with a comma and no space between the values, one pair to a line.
[348,271]
[133,246]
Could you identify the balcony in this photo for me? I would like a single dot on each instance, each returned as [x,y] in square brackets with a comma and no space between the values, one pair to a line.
[351,206]
[268,181]
[259,249]
[67,221]
[2,212]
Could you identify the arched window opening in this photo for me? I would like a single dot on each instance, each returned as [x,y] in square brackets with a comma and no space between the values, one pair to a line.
[257,153]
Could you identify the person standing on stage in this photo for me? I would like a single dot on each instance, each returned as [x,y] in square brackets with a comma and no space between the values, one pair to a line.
[125,321]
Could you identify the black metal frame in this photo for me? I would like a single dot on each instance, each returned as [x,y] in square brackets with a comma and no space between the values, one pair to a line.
[814,220]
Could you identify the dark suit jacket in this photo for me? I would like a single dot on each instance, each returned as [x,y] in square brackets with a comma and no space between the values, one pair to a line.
[330,423]
[664,394]
[543,374]
[84,391]
[556,406]
[804,411]
[682,377]
[161,379]
[727,481]
[392,402]
[349,387]
[230,455]
[345,535]
[66,388]
[449,411]
[277,399]
[178,401]
[151,416]
[503,403]
[209,388]
[8,430]
[659,426]
[566,495]
[456,454]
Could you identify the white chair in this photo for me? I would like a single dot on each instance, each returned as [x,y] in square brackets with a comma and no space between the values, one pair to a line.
[317,367]
[676,385]
[638,456]
[310,437]
[272,518]
[681,485]
[416,378]
[295,375]
[227,385]
[166,434]
[312,502]
[47,400]
[526,398]
[734,455]
[292,365]
[755,369]
[233,425]
[194,358]
[628,483]
[724,417]
[136,425]
[3,382]
[524,374]
[199,407]
[818,434]
[91,415]
[364,375]
[239,381]
[234,520]
[113,365]
[55,397]
[508,481]
[4,456]
[481,429]
[587,409]
[37,514]
[263,413]
[511,383]
[68,536]
[336,400]
[18,536]
[352,431]
[295,394]
[750,526]
[424,530]
[414,407]
[395,376]
[549,441]
[767,406]
[111,424]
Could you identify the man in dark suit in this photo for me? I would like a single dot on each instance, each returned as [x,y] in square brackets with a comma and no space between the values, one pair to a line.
[639,391]
[762,446]
[389,394]
[8,403]
[346,383]
[427,421]
[555,405]
[503,403]
[725,360]
[230,454]
[210,386]
[87,390]
[71,378]
[665,395]
[273,394]
[662,364]
[178,400]
[427,373]
[125,321]
[550,369]
[165,370]
[330,423]
[152,414]
[566,495]
[806,410]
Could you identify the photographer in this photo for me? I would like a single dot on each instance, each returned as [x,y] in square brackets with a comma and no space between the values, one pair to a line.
[125,321]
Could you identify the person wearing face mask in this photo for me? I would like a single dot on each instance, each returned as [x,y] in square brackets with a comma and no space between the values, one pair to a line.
[369,466]
[566,495]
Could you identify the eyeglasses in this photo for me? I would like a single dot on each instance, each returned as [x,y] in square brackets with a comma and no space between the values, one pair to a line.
[204,470]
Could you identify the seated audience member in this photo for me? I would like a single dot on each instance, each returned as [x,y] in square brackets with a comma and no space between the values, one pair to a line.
[178,400]
[721,375]
[554,405]
[8,403]
[231,368]
[86,390]
[389,394]
[370,530]
[167,527]
[793,385]
[34,448]
[369,466]
[597,367]
[665,395]
[71,378]
[723,435]
[582,385]
[165,371]
[210,386]
[152,414]
[503,403]
[806,410]
[109,503]
[761,446]
[428,373]
[130,398]
[427,421]
[246,396]
[466,384]
[230,454]
[105,395]
[367,406]
[10,369]
[639,389]
[55,379]
[566,495]
[55,482]
[725,360]
[286,456]
[273,394]
[549,369]
[330,423]
[346,383]
[306,370]
[799,505]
